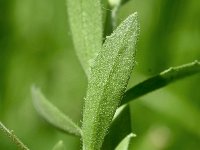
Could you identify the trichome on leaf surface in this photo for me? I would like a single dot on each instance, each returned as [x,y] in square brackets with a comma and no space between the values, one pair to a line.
[108,65]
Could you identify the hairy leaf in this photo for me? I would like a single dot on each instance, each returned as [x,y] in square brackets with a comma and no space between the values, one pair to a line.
[53,115]
[85,20]
[156,82]
[109,77]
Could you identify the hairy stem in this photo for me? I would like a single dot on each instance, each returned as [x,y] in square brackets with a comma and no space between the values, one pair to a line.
[13,137]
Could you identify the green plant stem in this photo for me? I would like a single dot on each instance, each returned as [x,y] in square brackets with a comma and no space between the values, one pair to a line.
[13,137]
[119,129]
[111,16]
[161,80]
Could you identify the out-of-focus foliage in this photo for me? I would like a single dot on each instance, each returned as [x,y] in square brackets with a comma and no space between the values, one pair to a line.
[36,47]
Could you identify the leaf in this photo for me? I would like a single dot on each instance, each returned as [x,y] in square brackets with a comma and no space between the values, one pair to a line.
[108,81]
[59,146]
[176,112]
[10,134]
[164,78]
[119,129]
[85,20]
[124,145]
[53,115]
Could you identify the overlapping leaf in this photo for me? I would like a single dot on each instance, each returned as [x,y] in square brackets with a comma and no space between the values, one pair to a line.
[53,115]
[109,77]
[85,20]
[164,78]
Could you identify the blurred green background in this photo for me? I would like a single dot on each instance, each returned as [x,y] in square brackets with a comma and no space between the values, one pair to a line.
[36,48]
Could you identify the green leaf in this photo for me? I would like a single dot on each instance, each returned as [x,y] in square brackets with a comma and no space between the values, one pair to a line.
[178,109]
[164,78]
[124,145]
[85,20]
[119,129]
[53,115]
[108,81]
[59,146]
[10,134]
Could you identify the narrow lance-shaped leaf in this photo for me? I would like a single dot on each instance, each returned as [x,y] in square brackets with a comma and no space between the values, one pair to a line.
[124,144]
[109,77]
[53,115]
[85,20]
[164,78]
